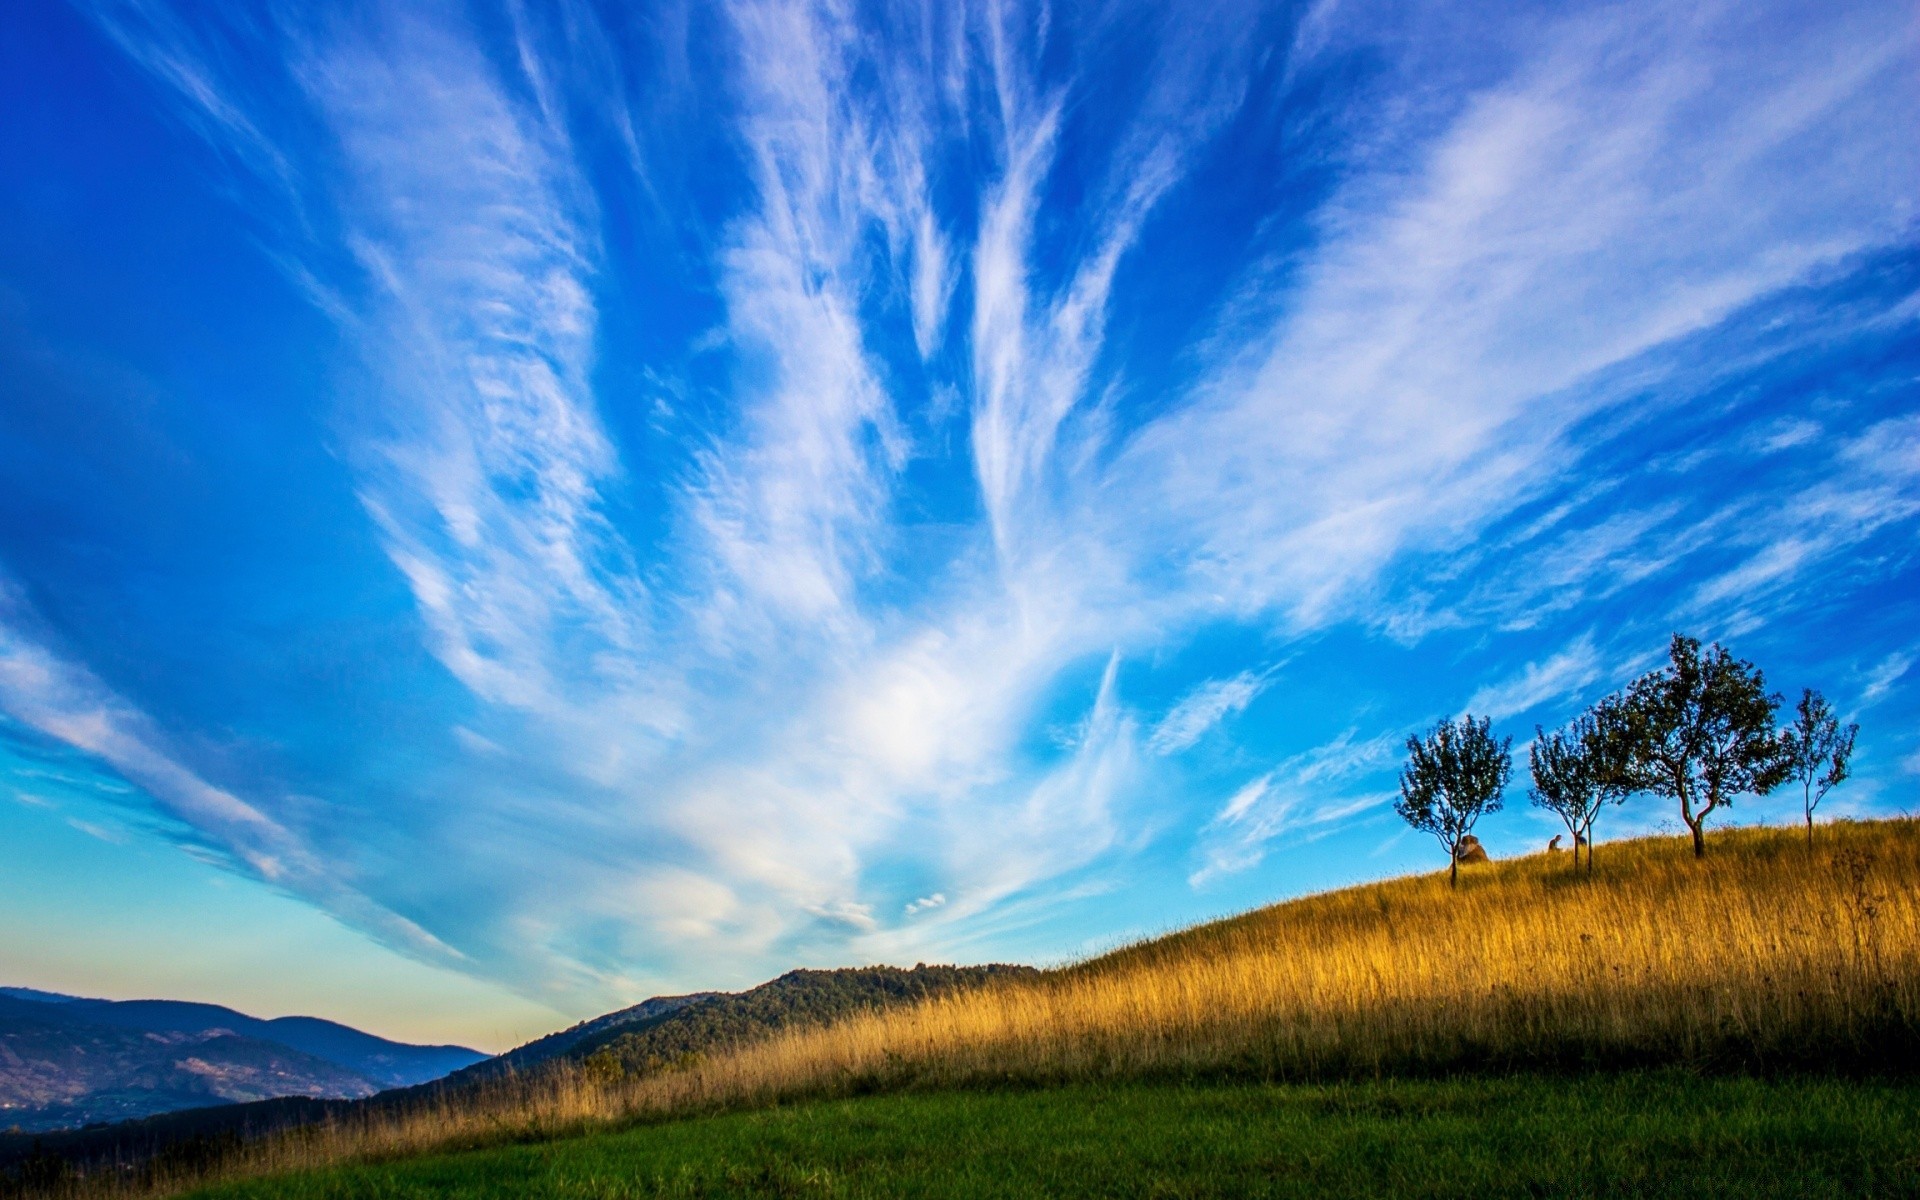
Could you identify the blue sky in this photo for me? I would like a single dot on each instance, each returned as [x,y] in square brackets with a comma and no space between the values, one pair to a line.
[508,509]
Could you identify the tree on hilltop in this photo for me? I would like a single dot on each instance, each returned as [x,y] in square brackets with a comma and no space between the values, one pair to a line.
[1579,770]
[1453,777]
[1701,731]
[1820,750]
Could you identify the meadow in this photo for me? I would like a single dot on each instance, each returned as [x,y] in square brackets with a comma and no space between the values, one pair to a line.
[1766,959]
[1627,1133]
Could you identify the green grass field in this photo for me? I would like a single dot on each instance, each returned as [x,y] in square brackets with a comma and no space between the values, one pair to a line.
[1596,1135]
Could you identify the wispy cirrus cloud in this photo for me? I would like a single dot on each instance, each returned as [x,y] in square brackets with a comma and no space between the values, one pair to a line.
[1880,680]
[482,454]
[1203,708]
[69,703]
[1439,346]
[1565,672]
[1306,797]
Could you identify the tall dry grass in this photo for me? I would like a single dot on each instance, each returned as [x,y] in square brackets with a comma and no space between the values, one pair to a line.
[1766,954]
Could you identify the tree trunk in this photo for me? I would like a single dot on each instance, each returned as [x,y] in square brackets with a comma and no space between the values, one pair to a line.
[1699,837]
[1453,869]
[1809,829]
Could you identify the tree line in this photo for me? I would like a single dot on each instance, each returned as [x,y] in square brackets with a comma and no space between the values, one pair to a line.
[1699,732]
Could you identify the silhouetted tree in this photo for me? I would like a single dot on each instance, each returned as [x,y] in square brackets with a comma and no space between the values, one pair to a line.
[1821,751]
[1701,732]
[1453,777]
[1578,771]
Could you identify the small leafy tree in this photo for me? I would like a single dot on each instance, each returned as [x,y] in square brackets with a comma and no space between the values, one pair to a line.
[1701,732]
[1578,771]
[1453,777]
[1820,749]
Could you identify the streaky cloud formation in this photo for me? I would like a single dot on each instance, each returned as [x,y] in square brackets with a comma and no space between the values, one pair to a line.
[811,484]
[70,704]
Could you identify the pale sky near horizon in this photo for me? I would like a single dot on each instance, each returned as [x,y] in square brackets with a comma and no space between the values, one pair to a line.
[510,509]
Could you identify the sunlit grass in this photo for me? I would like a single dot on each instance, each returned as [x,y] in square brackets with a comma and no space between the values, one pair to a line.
[1766,955]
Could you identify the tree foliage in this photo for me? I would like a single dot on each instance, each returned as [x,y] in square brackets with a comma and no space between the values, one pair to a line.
[1701,731]
[1454,776]
[1820,751]
[1578,771]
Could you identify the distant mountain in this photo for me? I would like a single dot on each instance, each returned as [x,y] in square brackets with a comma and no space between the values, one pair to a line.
[68,1060]
[388,1064]
[18,993]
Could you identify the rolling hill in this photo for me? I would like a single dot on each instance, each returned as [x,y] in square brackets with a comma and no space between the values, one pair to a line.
[559,1045]
[718,1022]
[648,1035]
[1768,960]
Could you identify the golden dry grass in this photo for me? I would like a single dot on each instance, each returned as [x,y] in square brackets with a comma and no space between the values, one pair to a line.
[1766,954]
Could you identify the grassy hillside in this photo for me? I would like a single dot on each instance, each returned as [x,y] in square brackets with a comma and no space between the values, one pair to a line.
[1625,1134]
[1764,956]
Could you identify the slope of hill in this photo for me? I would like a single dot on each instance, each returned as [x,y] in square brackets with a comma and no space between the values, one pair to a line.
[1767,955]
[1764,955]
[665,1029]
[556,1045]
[718,1022]
[67,1060]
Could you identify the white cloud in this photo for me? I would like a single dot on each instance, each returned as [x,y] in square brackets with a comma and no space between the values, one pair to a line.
[1245,798]
[1607,199]
[1880,680]
[1306,797]
[483,458]
[850,913]
[1875,482]
[1787,433]
[926,903]
[1563,673]
[94,829]
[1203,708]
[790,506]
[1033,355]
